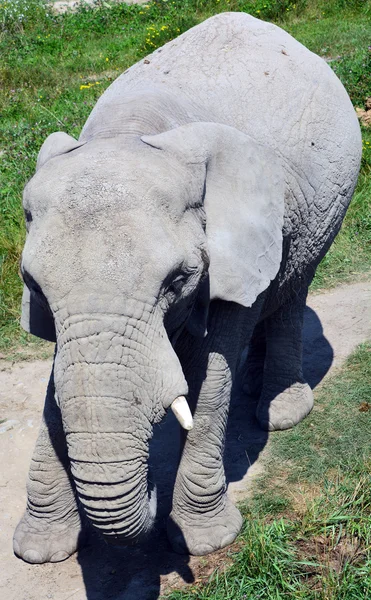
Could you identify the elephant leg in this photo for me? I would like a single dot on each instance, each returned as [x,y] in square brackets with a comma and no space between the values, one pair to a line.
[51,528]
[254,366]
[286,398]
[203,519]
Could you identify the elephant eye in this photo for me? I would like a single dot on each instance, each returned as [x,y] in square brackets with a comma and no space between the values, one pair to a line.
[34,287]
[28,217]
[177,284]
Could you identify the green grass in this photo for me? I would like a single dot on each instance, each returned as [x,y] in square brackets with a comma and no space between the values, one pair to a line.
[329,439]
[307,532]
[54,67]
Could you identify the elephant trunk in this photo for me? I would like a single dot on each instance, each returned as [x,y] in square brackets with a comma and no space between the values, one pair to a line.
[107,387]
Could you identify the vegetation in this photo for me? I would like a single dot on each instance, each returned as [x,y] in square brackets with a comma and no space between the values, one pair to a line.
[54,67]
[307,532]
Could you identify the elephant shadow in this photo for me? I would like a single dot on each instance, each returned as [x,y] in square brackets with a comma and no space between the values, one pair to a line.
[245,439]
[133,573]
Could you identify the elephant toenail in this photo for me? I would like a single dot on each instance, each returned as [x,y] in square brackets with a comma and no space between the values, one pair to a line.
[202,550]
[32,556]
[286,424]
[228,539]
[266,425]
[59,556]
[16,548]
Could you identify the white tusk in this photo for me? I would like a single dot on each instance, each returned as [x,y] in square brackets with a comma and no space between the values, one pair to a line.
[182,412]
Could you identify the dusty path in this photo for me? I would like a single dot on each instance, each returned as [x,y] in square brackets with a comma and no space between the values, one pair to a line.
[335,323]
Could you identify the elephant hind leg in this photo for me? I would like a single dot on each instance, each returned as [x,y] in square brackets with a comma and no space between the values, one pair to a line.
[253,368]
[286,398]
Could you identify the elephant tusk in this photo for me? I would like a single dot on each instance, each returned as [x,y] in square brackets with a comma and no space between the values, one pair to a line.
[182,412]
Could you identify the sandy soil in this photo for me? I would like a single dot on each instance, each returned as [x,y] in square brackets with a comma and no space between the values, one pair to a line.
[335,322]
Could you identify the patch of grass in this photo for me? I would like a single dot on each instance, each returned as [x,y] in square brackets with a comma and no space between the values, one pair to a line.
[54,67]
[265,568]
[317,481]
[30,348]
[337,433]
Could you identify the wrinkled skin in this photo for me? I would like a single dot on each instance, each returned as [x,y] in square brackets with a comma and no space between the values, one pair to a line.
[186,222]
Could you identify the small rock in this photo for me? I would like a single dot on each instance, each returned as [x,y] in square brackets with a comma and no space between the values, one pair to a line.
[8,425]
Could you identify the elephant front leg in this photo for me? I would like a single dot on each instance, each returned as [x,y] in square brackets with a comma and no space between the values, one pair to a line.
[286,398]
[203,519]
[51,529]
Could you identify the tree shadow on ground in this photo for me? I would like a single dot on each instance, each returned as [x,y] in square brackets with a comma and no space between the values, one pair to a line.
[135,573]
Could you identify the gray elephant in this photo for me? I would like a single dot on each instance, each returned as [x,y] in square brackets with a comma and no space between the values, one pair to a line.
[185,223]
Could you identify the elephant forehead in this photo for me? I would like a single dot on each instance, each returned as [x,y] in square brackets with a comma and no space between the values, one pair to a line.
[115,240]
[137,241]
[92,194]
[129,252]
[102,181]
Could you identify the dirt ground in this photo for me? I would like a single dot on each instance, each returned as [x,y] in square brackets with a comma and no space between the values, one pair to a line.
[335,323]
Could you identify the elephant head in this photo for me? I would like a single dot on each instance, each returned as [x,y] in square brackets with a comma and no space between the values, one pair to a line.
[128,241]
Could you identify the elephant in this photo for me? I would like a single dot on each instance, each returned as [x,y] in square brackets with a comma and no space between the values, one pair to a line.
[183,226]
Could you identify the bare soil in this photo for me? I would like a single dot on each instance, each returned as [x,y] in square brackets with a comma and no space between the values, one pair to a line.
[364,115]
[335,323]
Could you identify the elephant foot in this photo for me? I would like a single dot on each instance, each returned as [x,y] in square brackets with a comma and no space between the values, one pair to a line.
[200,535]
[285,409]
[37,541]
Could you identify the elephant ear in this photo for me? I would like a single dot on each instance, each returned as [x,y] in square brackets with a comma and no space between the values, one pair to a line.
[36,317]
[244,205]
[56,144]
